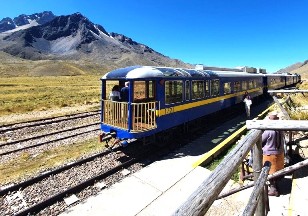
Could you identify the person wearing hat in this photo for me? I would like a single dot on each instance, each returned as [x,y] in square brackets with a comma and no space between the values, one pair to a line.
[273,151]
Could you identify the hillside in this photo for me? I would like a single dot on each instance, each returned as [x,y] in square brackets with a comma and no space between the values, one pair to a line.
[14,66]
[302,70]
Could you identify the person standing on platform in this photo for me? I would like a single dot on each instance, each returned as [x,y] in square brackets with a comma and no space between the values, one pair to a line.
[248,103]
[245,95]
[125,92]
[273,151]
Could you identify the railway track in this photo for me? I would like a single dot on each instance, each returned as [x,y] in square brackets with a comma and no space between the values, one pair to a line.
[50,140]
[46,121]
[43,195]
[41,192]
[45,134]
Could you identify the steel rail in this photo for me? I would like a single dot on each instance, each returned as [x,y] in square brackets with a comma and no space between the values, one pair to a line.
[44,143]
[77,188]
[48,134]
[43,175]
[40,121]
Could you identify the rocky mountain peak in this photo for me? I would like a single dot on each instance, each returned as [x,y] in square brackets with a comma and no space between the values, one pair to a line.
[7,24]
[40,18]
[68,25]
[75,37]
[128,42]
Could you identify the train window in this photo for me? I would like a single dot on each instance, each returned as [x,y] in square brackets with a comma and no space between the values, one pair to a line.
[227,88]
[214,87]
[197,89]
[259,83]
[237,86]
[144,90]
[139,90]
[173,91]
[250,84]
[244,85]
[187,90]
[273,81]
[207,90]
[151,87]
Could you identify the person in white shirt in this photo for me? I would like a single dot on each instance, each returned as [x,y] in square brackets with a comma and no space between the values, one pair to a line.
[248,103]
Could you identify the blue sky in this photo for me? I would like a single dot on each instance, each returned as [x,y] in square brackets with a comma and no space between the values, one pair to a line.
[258,33]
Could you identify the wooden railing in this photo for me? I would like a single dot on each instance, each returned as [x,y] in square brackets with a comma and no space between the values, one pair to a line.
[256,194]
[117,114]
[202,199]
[144,117]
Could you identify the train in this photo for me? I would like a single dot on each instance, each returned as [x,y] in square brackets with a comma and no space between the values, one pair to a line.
[162,98]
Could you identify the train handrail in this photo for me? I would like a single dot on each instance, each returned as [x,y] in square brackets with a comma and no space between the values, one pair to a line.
[144,116]
[116,113]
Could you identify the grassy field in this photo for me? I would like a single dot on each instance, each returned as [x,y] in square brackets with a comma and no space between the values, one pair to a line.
[23,94]
[299,100]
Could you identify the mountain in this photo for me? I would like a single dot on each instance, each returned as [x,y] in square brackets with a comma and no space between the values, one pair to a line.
[291,67]
[23,20]
[299,68]
[75,38]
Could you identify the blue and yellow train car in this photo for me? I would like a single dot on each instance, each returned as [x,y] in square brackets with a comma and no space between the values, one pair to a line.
[161,98]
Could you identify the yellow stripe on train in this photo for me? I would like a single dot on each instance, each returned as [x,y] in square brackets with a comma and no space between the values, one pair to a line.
[182,107]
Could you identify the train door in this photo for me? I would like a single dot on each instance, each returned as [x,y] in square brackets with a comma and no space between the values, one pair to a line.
[144,105]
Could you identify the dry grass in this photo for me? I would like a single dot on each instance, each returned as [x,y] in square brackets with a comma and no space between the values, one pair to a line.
[28,85]
[298,101]
[24,94]
[29,165]
[303,71]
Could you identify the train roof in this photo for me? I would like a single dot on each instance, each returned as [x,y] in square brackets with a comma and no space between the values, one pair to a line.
[279,74]
[134,72]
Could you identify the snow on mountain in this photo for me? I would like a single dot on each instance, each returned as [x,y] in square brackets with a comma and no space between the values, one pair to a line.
[18,28]
[25,21]
[75,37]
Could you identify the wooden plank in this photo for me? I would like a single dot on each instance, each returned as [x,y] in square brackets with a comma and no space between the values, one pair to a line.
[257,194]
[201,199]
[286,170]
[284,125]
[257,165]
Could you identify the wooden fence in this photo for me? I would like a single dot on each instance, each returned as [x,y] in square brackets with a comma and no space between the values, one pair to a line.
[202,199]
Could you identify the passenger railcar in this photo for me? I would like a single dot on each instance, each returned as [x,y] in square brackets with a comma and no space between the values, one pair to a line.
[161,98]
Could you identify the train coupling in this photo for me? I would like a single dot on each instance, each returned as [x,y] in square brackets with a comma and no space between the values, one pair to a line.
[105,137]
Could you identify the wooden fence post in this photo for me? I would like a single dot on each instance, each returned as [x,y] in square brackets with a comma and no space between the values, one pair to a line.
[257,166]
[257,191]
